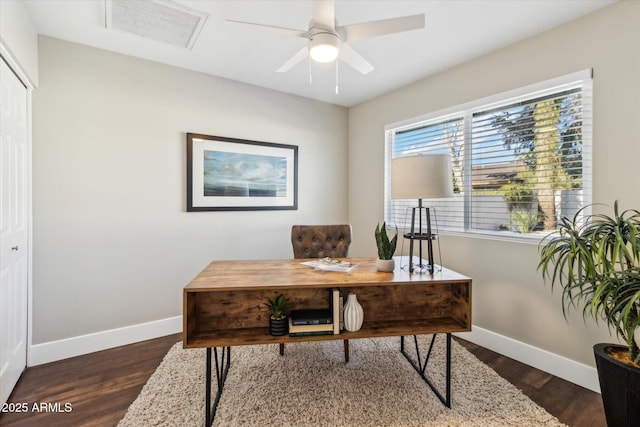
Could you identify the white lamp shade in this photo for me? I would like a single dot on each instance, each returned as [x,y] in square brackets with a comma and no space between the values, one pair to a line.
[421,177]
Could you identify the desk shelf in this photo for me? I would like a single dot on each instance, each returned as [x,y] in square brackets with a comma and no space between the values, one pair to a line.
[252,336]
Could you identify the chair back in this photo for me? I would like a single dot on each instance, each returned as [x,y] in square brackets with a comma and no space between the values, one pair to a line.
[319,241]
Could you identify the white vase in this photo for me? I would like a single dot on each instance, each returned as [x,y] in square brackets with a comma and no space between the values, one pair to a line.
[385,265]
[353,314]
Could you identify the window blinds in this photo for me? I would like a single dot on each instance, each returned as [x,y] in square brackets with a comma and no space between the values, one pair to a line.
[519,163]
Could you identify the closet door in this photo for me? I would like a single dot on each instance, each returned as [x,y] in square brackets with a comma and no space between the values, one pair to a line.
[14,219]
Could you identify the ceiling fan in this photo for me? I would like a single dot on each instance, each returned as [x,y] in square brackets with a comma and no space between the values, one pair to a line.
[327,41]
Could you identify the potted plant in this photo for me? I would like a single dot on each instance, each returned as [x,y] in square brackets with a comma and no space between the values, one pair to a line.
[278,319]
[596,262]
[386,248]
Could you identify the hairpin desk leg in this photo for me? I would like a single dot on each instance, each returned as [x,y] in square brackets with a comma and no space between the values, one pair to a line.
[223,362]
[421,367]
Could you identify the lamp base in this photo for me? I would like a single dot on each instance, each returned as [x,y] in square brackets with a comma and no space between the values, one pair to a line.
[420,236]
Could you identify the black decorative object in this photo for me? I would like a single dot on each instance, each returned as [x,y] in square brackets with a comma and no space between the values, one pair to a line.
[278,327]
[620,387]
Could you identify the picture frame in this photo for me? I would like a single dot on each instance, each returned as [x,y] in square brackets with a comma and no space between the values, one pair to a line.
[230,174]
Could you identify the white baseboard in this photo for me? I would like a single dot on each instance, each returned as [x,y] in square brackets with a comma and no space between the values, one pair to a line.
[84,344]
[559,366]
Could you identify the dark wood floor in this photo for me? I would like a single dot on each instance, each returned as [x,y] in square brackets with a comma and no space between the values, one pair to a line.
[100,387]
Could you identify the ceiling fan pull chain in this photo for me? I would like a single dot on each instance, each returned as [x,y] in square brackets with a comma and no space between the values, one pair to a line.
[310,78]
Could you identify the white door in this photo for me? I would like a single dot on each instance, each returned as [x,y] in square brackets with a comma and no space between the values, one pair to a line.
[14,205]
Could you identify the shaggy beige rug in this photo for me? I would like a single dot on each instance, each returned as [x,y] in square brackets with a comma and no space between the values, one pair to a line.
[312,386]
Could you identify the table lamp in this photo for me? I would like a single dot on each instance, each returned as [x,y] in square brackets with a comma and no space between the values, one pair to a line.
[421,177]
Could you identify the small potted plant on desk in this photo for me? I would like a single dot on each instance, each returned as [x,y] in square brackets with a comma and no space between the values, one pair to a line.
[278,320]
[386,249]
[597,263]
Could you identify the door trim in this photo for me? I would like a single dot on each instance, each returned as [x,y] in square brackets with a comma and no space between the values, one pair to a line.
[17,70]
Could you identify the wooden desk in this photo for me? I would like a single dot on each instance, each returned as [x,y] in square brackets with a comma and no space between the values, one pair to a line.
[224,307]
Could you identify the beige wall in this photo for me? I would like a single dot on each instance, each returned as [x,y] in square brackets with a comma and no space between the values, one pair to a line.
[113,244]
[509,297]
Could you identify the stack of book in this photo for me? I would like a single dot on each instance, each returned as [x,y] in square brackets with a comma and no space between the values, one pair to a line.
[318,321]
[310,322]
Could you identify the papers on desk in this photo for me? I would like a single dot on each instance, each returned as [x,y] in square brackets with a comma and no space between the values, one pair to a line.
[330,264]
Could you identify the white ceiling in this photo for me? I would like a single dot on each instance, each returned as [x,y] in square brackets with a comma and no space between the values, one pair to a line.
[456,31]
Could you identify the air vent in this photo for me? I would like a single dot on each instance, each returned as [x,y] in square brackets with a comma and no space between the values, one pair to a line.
[160,20]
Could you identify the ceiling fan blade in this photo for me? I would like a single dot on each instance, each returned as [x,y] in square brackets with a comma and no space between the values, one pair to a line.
[324,13]
[353,58]
[299,56]
[379,28]
[281,30]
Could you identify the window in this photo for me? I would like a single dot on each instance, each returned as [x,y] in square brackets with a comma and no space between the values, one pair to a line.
[520,160]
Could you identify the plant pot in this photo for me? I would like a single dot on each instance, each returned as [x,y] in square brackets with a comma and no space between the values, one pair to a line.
[385,265]
[620,388]
[278,327]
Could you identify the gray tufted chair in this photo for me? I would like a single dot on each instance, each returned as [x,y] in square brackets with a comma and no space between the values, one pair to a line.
[319,241]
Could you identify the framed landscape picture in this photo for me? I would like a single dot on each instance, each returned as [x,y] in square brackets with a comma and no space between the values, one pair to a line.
[228,174]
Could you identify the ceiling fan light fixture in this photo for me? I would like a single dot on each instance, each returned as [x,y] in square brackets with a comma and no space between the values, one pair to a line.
[324,47]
